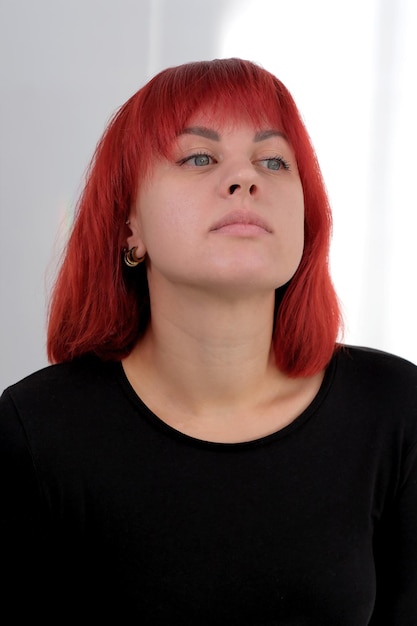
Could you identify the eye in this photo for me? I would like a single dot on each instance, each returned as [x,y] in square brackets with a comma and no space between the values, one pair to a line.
[198,160]
[275,163]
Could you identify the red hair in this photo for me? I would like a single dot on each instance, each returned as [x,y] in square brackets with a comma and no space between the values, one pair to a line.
[101,307]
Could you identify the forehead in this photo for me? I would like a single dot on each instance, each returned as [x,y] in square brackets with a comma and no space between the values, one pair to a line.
[232,119]
[215,125]
[217,133]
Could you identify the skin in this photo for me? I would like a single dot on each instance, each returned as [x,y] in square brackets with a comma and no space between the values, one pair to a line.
[177,213]
[222,225]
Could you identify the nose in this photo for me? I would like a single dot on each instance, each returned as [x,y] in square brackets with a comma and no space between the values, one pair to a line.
[238,176]
[236,186]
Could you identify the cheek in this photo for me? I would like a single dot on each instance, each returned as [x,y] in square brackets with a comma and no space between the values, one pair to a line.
[293,228]
[152,213]
[166,220]
[294,215]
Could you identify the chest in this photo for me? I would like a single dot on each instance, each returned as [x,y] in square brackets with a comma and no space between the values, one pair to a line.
[231,536]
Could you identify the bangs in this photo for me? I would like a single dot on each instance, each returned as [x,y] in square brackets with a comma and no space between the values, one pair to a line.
[227,89]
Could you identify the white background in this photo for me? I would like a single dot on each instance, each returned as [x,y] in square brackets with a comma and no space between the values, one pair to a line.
[67,65]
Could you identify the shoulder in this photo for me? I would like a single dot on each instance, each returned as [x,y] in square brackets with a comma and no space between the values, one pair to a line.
[378,386]
[62,409]
[377,366]
[79,368]
[60,386]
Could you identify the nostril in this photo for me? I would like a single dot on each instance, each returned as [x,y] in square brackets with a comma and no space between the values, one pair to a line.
[252,189]
[233,188]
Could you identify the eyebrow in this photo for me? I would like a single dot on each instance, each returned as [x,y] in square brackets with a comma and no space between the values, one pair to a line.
[266,134]
[202,131]
[209,133]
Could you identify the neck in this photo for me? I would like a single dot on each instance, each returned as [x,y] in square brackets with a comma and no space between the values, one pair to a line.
[208,350]
[206,367]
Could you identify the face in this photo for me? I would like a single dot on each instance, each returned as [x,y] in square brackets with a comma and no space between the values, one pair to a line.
[225,212]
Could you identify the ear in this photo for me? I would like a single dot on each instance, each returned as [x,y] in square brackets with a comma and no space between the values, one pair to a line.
[135,240]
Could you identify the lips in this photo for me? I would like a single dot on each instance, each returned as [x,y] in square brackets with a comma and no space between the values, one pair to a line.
[243,218]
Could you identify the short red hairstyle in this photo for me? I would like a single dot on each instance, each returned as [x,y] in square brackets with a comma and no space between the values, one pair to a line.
[101,307]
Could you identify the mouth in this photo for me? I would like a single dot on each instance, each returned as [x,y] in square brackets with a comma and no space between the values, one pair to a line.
[241,222]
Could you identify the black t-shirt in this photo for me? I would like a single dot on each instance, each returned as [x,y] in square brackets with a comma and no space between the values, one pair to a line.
[109,513]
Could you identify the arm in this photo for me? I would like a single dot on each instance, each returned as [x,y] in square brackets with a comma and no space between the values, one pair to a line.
[396,554]
[20,514]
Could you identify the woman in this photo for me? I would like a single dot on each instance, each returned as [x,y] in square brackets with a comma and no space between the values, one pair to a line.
[203,451]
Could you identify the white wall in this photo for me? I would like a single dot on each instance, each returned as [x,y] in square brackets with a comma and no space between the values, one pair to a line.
[68,64]
[352,68]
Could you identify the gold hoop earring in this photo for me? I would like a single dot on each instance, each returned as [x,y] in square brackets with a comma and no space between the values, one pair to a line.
[131,259]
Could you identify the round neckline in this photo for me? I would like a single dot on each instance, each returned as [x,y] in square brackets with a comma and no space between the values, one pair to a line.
[172,432]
